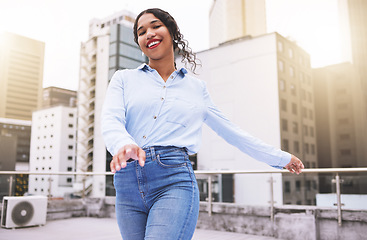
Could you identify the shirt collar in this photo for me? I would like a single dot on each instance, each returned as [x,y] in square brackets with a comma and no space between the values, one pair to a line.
[145,66]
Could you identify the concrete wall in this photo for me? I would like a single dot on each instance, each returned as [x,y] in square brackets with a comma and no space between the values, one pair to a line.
[290,222]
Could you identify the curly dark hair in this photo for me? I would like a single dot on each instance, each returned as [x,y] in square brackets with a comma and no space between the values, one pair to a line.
[179,43]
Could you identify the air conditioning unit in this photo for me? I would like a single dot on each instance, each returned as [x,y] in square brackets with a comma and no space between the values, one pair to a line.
[23,211]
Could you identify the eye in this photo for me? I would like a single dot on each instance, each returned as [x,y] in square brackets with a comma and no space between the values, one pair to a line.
[158,26]
[141,33]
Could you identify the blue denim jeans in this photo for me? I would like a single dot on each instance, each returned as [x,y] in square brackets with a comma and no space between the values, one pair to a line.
[159,200]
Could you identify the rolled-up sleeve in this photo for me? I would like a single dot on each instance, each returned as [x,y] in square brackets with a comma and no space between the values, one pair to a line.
[245,142]
[113,116]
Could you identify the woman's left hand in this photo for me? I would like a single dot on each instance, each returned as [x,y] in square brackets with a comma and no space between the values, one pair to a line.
[295,165]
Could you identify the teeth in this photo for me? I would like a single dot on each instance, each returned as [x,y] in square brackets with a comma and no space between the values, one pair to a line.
[153,43]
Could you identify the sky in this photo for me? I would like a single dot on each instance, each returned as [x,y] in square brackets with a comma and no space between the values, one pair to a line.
[63,25]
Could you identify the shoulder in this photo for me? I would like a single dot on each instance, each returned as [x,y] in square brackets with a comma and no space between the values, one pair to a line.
[195,81]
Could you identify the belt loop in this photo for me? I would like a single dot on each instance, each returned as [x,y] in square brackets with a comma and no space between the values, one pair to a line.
[152,152]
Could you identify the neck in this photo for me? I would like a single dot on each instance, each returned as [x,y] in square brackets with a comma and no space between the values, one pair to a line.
[165,67]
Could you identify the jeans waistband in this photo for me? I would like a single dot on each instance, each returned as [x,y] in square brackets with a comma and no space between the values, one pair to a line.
[155,150]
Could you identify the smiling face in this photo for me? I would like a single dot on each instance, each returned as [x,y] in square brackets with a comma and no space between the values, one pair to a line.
[154,38]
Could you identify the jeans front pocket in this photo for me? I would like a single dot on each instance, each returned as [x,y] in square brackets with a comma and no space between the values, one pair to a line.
[171,160]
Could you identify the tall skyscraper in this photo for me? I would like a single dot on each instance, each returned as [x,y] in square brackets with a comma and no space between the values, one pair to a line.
[233,19]
[264,85]
[110,47]
[354,26]
[21,76]
[341,123]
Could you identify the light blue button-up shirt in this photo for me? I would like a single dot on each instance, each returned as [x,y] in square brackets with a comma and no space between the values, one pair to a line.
[141,108]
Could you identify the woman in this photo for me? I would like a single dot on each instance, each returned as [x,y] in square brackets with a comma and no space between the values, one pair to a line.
[154,114]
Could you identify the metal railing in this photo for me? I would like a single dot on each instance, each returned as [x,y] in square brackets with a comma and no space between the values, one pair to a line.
[210,174]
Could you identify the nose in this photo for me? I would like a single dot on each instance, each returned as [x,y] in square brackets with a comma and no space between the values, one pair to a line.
[150,34]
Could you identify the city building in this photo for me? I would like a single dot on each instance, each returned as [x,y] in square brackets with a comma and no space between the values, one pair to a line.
[341,124]
[110,47]
[14,154]
[354,26]
[229,20]
[54,96]
[53,149]
[21,76]
[264,85]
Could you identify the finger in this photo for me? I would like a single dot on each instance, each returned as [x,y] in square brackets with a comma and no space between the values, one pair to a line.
[112,167]
[141,156]
[122,158]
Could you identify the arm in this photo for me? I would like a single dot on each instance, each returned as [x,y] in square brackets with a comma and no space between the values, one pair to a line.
[118,141]
[242,140]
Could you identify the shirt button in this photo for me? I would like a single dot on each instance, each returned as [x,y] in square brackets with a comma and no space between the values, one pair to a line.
[155,117]
[162,98]
[164,87]
[171,77]
[144,137]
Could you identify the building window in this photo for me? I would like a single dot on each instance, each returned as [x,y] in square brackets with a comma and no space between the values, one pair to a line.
[313,149]
[290,52]
[280,46]
[70,125]
[310,113]
[287,186]
[71,136]
[294,108]
[295,127]
[291,71]
[284,125]
[70,146]
[344,136]
[70,158]
[69,169]
[312,132]
[307,148]
[298,186]
[303,94]
[308,185]
[281,65]
[305,130]
[345,152]
[285,146]
[69,180]
[283,104]
[282,85]
[71,115]
[296,146]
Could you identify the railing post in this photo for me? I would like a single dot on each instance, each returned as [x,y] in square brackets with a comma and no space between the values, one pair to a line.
[210,197]
[272,202]
[83,192]
[49,186]
[339,203]
[11,185]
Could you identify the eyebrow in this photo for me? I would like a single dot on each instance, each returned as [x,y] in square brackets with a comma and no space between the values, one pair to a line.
[154,21]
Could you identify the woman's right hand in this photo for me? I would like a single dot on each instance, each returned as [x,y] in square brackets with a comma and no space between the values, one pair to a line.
[125,153]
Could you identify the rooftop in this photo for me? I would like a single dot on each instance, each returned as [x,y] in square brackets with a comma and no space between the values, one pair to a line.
[100,229]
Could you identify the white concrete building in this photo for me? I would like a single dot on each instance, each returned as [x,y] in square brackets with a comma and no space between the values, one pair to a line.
[53,149]
[257,83]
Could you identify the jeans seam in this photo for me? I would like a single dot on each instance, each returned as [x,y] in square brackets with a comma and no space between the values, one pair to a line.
[191,205]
